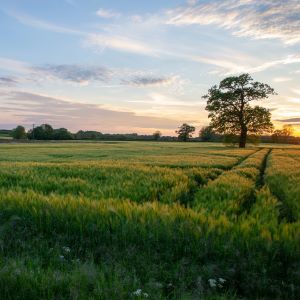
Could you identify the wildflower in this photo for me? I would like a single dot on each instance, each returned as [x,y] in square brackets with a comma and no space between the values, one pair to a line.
[138,292]
[66,249]
[212,283]
[222,280]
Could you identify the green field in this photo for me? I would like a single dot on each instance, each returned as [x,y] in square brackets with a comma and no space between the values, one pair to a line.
[149,220]
[4,136]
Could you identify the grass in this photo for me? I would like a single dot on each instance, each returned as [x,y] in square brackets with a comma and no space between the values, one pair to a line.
[5,136]
[134,220]
[283,177]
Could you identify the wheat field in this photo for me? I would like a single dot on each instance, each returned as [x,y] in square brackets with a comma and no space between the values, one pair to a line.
[149,220]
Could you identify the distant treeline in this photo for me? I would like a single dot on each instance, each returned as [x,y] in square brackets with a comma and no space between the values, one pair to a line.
[206,134]
[47,132]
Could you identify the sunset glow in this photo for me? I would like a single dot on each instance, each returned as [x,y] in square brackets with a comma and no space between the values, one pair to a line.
[139,66]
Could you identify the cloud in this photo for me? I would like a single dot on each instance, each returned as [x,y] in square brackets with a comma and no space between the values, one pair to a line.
[107,14]
[85,74]
[124,44]
[75,73]
[296,91]
[118,38]
[28,108]
[290,59]
[282,79]
[163,101]
[290,120]
[14,65]
[150,80]
[7,81]
[129,38]
[192,2]
[227,67]
[269,19]
[41,24]
[95,40]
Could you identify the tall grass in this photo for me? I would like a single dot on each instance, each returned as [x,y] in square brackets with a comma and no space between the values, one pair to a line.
[147,221]
[283,177]
[232,192]
[165,250]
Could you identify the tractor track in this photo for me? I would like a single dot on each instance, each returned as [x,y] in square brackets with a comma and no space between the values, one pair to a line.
[189,198]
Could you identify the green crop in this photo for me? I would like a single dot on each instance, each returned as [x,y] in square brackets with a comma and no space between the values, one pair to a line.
[139,220]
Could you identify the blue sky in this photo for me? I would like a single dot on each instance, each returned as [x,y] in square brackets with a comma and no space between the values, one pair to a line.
[139,66]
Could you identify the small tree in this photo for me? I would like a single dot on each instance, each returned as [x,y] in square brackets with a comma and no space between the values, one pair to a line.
[185,132]
[19,133]
[157,135]
[230,111]
[284,135]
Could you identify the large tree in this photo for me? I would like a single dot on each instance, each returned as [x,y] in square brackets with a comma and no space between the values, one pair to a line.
[230,110]
[185,132]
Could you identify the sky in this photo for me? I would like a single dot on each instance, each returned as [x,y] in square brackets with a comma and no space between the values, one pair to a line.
[134,66]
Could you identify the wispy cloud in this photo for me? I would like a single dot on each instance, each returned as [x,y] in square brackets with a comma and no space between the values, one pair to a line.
[75,73]
[101,41]
[282,79]
[290,59]
[42,24]
[107,13]
[150,80]
[84,74]
[120,40]
[227,67]
[34,108]
[290,120]
[13,65]
[8,81]
[296,91]
[162,101]
[251,18]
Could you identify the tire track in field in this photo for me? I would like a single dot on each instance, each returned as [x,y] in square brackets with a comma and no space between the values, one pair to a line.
[260,182]
[189,198]
[285,212]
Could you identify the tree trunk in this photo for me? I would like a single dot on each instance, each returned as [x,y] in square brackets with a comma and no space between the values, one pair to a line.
[243,137]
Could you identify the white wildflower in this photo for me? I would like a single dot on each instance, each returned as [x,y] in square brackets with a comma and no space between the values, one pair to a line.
[212,282]
[222,280]
[138,292]
[66,249]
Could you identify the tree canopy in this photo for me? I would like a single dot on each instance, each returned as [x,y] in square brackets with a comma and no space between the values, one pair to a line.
[230,110]
[46,132]
[185,132]
[207,134]
[19,133]
[284,135]
[157,135]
